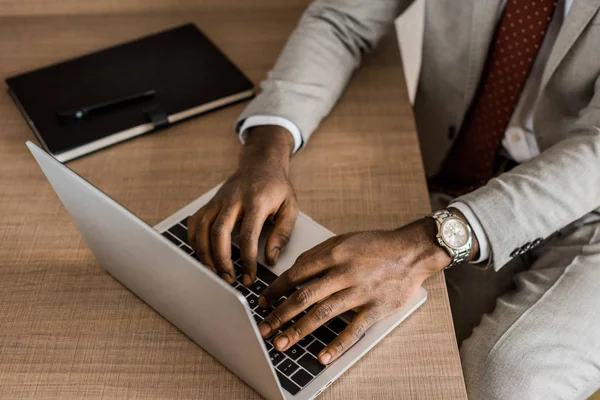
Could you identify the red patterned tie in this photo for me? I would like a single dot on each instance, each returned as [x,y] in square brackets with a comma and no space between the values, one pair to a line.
[470,163]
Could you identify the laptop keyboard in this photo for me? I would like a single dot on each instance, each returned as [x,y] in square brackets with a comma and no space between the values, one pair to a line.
[297,366]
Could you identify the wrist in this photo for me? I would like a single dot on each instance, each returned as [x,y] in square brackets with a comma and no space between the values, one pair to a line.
[270,146]
[426,255]
[434,258]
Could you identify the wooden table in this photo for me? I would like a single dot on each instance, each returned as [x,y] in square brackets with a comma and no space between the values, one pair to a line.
[68,330]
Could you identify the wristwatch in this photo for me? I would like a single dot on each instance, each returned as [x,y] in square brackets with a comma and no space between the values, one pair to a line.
[454,235]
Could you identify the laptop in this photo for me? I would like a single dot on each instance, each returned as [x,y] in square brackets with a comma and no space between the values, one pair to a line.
[157,265]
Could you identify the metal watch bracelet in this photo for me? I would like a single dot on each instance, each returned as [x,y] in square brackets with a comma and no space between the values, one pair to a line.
[458,255]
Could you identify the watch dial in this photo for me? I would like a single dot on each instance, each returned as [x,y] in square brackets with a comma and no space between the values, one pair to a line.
[454,233]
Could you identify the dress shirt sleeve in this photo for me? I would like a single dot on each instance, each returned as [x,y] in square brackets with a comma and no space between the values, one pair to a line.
[482,240]
[261,120]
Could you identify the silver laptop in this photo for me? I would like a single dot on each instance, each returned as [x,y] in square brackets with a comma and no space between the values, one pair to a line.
[159,267]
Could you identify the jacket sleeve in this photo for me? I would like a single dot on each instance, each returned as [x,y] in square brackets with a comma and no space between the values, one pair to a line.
[319,59]
[522,207]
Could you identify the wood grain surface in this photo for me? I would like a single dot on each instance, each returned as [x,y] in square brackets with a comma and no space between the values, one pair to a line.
[68,330]
[73,7]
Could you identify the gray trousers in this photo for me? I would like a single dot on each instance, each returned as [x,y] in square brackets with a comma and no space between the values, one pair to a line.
[532,329]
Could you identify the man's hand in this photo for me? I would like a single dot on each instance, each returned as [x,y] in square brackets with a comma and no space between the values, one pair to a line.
[373,273]
[258,190]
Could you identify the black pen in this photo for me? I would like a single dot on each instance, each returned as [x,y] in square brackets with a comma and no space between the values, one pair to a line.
[82,112]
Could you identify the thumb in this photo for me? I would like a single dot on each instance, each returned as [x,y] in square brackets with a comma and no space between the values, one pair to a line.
[282,230]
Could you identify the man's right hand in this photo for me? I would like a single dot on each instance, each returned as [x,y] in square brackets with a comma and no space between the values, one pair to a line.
[258,190]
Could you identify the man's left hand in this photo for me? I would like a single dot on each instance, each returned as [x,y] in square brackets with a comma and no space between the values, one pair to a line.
[373,273]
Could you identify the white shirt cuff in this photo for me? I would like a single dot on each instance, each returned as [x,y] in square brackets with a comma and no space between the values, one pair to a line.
[484,246]
[261,120]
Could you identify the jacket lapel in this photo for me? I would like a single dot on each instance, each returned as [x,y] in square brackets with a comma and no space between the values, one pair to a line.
[579,16]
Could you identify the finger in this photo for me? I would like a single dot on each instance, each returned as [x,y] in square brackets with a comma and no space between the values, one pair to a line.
[204,220]
[282,230]
[252,225]
[349,336]
[220,235]
[322,312]
[194,220]
[307,266]
[301,300]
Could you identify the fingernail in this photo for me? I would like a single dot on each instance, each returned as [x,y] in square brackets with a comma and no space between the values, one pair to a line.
[264,329]
[263,302]
[325,358]
[281,342]
[246,280]
[275,254]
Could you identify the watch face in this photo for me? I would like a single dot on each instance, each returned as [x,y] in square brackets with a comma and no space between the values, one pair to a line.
[455,233]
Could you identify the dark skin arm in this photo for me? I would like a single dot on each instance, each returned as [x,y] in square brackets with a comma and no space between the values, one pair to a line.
[258,190]
[374,273]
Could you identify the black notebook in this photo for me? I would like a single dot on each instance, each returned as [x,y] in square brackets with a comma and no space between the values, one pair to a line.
[88,103]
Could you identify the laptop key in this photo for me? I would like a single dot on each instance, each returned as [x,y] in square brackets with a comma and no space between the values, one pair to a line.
[294,352]
[235,253]
[287,384]
[257,318]
[263,312]
[311,364]
[252,300]
[288,367]
[324,335]
[243,290]
[315,348]
[187,249]
[171,238]
[276,357]
[269,345]
[337,325]
[184,222]
[257,287]
[302,378]
[265,274]
[306,340]
[180,232]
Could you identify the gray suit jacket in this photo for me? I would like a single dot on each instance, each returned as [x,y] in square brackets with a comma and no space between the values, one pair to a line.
[517,209]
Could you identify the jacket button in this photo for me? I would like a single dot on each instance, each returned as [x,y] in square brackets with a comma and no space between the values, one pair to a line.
[536,242]
[515,253]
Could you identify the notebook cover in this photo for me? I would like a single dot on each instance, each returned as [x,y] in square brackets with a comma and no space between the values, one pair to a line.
[184,68]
